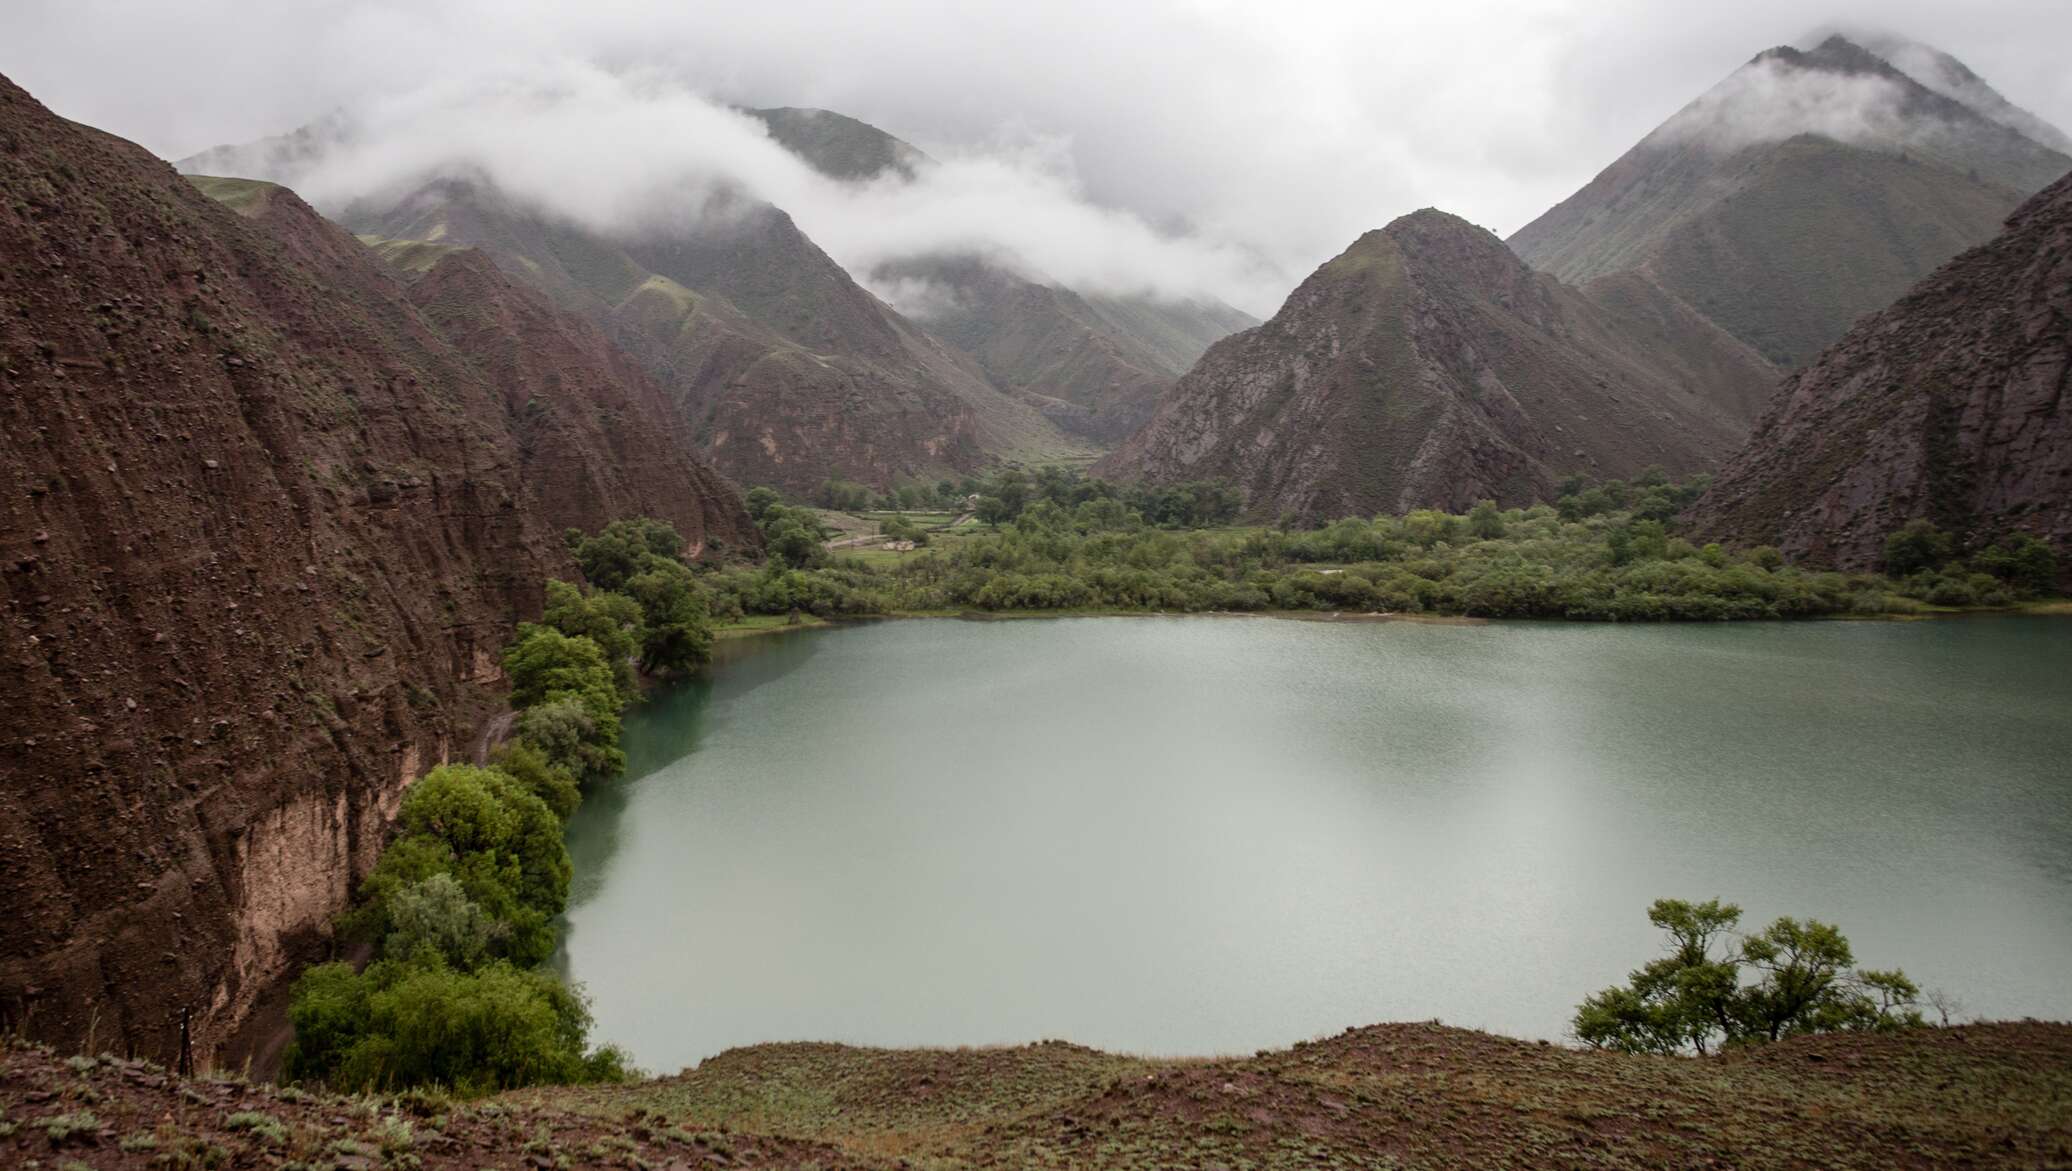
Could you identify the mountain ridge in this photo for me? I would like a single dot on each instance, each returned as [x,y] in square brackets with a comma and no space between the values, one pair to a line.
[1428,366]
[1952,405]
[1786,239]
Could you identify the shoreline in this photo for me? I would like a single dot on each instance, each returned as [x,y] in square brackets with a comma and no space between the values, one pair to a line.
[761,624]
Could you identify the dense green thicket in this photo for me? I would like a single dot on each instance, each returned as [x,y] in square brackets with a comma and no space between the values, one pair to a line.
[1001,497]
[1606,551]
[461,905]
[1713,988]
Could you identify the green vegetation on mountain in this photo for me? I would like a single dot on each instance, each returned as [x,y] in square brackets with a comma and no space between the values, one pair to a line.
[1062,543]
[460,908]
[1748,207]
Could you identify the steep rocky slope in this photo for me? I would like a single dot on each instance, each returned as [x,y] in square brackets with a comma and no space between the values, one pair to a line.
[1428,366]
[1805,190]
[1954,404]
[1389,1096]
[264,527]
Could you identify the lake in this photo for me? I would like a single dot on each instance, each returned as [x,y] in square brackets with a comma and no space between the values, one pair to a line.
[1213,835]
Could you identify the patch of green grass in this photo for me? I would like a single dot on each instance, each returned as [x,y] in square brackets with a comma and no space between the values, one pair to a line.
[246,197]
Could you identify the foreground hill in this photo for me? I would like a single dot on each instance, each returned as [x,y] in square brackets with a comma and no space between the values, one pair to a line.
[1395,1096]
[1427,366]
[1955,404]
[1805,190]
[267,523]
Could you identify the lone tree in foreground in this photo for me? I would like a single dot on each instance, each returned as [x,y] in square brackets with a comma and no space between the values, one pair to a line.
[1710,990]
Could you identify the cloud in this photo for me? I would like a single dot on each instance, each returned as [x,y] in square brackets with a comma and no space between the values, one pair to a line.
[638,153]
[1275,131]
[1772,99]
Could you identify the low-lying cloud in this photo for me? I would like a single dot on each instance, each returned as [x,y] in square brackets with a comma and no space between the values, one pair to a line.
[1773,99]
[638,154]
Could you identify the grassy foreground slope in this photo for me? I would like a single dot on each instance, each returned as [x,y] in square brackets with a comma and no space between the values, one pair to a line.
[1390,1096]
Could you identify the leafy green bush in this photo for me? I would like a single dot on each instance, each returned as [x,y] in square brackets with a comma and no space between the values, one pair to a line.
[421,1023]
[1792,977]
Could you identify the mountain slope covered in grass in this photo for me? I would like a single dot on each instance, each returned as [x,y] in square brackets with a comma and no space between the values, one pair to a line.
[1805,190]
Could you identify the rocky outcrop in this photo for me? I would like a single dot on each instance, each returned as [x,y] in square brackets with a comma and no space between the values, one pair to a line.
[263,528]
[1805,190]
[1428,366]
[1955,404]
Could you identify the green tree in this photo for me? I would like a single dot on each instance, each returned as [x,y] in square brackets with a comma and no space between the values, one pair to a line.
[759,501]
[676,618]
[484,811]
[1917,546]
[398,1025]
[995,511]
[544,664]
[2022,561]
[573,737]
[1684,999]
[550,782]
[435,916]
[1699,994]
[613,621]
[1485,523]
[623,548]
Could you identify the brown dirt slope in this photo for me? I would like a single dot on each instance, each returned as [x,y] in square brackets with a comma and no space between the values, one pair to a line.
[1786,241]
[1428,366]
[1391,1096]
[1954,404]
[263,527]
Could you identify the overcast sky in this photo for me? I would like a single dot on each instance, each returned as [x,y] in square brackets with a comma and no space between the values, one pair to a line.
[1278,131]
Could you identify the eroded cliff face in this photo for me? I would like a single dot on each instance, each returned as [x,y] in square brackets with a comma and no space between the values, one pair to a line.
[1428,366]
[263,527]
[1955,404]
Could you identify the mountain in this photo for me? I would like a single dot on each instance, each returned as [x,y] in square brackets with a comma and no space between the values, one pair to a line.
[1428,366]
[1805,190]
[1953,79]
[1955,404]
[787,371]
[838,145]
[267,523]
[1094,363]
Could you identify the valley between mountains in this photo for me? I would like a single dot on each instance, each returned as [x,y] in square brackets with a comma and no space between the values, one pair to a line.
[360,520]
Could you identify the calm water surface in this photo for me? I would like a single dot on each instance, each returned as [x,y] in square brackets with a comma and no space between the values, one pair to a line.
[1200,835]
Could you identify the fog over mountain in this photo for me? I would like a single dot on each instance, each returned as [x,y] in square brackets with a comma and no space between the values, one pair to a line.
[1175,145]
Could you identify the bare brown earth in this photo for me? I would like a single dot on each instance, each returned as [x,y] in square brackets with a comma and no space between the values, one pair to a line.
[264,525]
[1955,404]
[1427,366]
[1391,1096]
